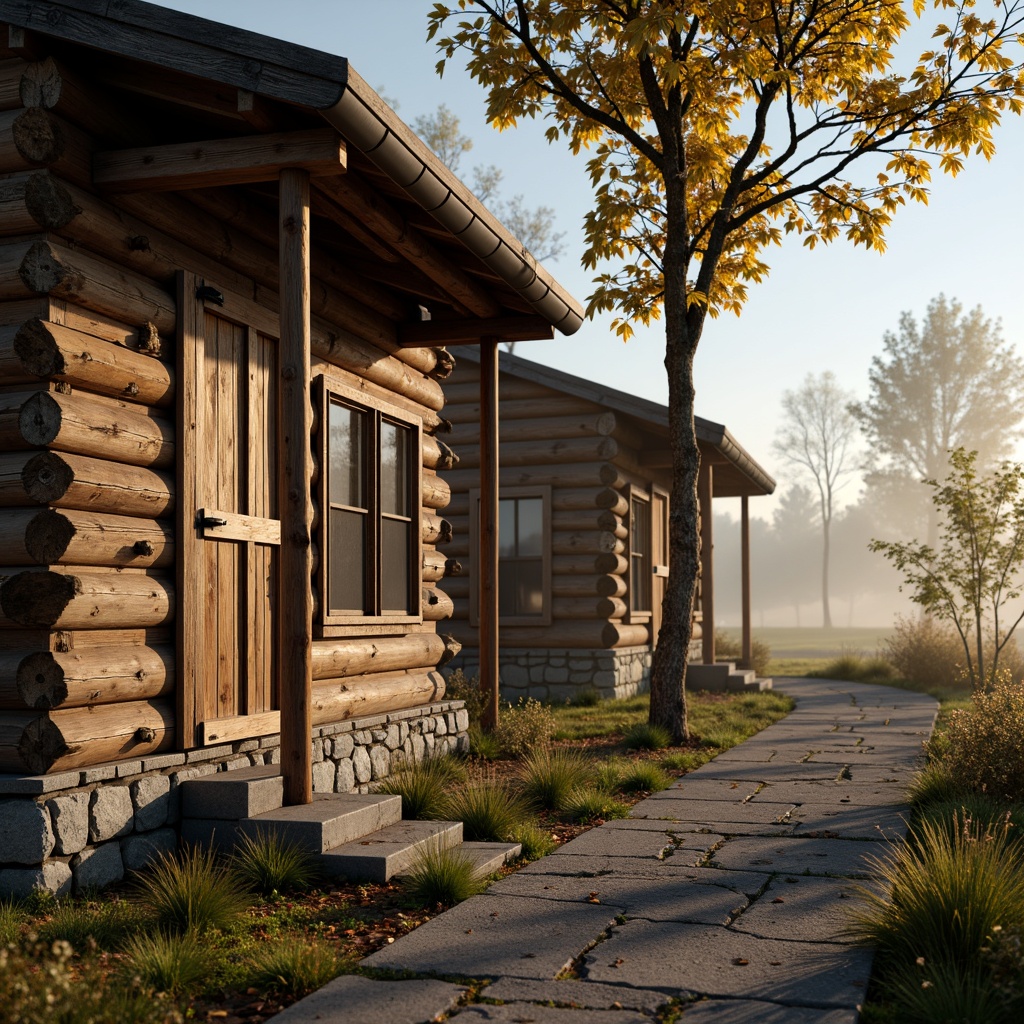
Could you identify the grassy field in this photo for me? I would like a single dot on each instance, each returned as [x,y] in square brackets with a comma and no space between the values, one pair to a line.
[799,650]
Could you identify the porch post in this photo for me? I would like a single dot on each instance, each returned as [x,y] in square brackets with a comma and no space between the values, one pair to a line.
[488,533]
[707,580]
[294,612]
[747,651]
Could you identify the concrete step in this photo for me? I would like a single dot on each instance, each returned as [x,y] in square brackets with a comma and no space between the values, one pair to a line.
[389,851]
[330,821]
[487,858]
[231,796]
[740,679]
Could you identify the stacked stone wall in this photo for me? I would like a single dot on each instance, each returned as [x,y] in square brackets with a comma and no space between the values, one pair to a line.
[87,829]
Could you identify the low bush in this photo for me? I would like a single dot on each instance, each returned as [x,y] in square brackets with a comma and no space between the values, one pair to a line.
[167,963]
[442,878]
[857,668]
[190,892]
[925,652]
[646,736]
[730,648]
[523,728]
[294,968]
[489,811]
[550,774]
[984,744]
[459,686]
[269,864]
[644,777]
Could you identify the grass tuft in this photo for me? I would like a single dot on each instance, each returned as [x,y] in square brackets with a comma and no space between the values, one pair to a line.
[535,841]
[80,922]
[489,811]
[442,878]
[424,786]
[645,777]
[550,774]
[12,919]
[294,968]
[190,892]
[270,864]
[167,963]
[586,805]
[483,744]
[646,736]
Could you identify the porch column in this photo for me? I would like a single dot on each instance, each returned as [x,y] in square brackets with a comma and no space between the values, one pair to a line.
[747,650]
[487,580]
[294,612]
[707,580]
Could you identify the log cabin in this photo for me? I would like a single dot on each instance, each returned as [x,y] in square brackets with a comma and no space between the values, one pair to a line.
[230,276]
[583,527]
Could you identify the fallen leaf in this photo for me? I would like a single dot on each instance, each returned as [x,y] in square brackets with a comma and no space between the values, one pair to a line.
[469,931]
[527,956]
[617,963]
[775,963]
[778,899]
[494,913]
[740,962]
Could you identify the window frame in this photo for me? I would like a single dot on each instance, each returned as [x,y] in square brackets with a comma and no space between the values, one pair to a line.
[542,491]
[335,623]
[634,493]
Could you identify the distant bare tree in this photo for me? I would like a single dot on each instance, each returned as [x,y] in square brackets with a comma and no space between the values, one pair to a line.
[817,435]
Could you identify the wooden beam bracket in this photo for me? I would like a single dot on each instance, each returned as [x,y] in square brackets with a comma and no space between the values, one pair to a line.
[427,333]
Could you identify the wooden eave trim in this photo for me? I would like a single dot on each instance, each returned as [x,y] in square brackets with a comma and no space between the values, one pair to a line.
[233,161]
[429,333]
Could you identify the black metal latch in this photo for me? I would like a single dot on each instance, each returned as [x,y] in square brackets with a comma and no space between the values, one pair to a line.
[204,521]
[208,293]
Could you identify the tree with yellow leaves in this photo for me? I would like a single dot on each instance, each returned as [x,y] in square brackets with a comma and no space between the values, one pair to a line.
[713,128]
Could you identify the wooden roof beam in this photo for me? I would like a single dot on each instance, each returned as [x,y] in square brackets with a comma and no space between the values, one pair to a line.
[237,161]
[469,332]
[392,228]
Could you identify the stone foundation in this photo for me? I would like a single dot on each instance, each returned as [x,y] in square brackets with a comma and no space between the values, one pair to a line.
[86,828]
[560,674]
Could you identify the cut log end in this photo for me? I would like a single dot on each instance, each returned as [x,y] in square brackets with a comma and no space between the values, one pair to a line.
[49,204]
[451,649]
[40,419]
[37,598]
[38,351]
[48,535]
[41,745]
[38,137]
[40,681]
[46,477]
[43,272]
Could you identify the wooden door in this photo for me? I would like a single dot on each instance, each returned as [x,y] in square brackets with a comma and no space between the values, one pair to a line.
[659,557]
[229,522]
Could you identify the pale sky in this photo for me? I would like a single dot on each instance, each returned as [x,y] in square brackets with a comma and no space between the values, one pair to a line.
[820,310]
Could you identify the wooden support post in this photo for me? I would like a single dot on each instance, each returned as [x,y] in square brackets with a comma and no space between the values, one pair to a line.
[707,582]
[488,579]
[747,651]
[293,654]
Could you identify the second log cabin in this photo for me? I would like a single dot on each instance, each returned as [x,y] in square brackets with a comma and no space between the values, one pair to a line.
[583,527]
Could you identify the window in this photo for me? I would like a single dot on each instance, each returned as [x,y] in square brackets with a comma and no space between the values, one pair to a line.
[371,523]
[640,564]
[524,556]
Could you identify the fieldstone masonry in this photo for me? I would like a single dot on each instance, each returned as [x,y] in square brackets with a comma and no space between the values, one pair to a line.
[85,829]
[559,674]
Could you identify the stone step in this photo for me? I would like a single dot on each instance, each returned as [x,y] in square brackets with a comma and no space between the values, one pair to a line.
[487,858]
[231,796]
[389,851]
[330,821]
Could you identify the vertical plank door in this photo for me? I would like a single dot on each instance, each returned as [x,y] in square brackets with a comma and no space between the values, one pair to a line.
[227,519]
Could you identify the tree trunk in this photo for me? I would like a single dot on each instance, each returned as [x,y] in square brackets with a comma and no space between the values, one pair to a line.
[668,668]
[826,613]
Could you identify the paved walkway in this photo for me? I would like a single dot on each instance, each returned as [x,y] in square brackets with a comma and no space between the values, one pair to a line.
[728,891]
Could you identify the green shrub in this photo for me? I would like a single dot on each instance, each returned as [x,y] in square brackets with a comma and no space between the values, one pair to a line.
[190,892]
[294,968]
[730,648]
[588,697]
[525,727]
[424,786]
[585,805]
[925,993]
[489,811]
[984,745]
[646,736]
[607,775]
[949,890]
[858,669]
[1003,957]
[550,774]
[459,686]
[167,963]
[644,777]
[985,811]
[442,877]
[925,652]
[269,864]
[535,841]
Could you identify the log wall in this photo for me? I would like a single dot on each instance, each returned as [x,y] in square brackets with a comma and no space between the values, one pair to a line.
[588,456]
[88,321]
